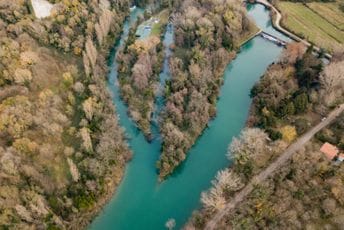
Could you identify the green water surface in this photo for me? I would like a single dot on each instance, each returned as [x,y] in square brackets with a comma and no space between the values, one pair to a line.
[141,202]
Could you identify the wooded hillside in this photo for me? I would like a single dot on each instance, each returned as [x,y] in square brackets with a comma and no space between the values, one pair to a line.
[62,152]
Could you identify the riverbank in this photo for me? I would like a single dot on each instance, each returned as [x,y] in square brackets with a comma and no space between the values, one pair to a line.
[118,172]
[140,192]
[253,33]
[140,63]
[197,68]
[111,187]
[279,118]
[270,171]
[62,151]
[113,178]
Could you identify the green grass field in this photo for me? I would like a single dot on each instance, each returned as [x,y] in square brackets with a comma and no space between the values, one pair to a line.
[157,27]
[329,11]
[310,25]
[163,17]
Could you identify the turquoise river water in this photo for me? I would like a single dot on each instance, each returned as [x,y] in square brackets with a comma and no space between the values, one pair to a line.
[141,202]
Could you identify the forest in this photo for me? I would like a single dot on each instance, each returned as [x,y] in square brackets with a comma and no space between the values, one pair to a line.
[62,151]
[208,34]
[295,92]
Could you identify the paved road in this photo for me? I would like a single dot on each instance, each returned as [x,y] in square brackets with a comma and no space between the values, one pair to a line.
[270,170]
[277,24]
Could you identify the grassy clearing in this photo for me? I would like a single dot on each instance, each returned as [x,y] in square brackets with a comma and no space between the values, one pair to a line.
[310,25]
[156,22]
[157,27]
[329,11]
[249,35]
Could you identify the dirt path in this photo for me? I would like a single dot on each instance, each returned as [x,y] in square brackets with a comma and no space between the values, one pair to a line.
[277,25]
[270,170]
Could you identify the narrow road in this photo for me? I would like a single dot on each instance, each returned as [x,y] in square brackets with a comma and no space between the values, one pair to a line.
[270,170]
[277,25]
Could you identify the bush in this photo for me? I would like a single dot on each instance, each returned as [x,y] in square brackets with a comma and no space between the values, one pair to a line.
[84,201]
[274,134]
[256,89]
[288,133]
[308,69]
[301,102]
[301,125]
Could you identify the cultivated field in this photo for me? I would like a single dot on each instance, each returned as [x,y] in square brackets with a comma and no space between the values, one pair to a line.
[329,11]
[305,22]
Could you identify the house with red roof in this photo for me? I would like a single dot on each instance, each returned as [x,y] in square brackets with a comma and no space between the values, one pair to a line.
[329,150]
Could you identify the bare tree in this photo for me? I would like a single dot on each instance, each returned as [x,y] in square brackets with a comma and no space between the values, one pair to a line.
[251,140]
[73,170]
[332,80]
[170,223]
[86,63]
[89,106]
[91,52]
[294,51]
[225,181]
[99,33]
[86,139]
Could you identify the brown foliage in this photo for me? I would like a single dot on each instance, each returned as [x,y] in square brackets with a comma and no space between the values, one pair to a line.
[47,99]
[205,33]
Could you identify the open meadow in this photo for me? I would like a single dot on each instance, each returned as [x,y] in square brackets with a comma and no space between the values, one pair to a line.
[304,21]
[329,11]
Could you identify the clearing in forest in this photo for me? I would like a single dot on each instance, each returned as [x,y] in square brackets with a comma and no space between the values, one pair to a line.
[153,25]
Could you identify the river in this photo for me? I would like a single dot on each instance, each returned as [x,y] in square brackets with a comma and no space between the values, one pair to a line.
[141,202]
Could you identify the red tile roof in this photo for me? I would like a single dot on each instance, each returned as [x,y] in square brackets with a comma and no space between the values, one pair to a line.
[329,150]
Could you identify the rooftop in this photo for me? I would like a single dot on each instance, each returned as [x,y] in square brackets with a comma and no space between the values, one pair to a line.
[329,150]
[42,8]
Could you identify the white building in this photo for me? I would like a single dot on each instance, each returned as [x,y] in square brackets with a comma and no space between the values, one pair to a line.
[42,8]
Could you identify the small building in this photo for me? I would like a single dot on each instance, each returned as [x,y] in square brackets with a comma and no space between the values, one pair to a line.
[41,8]
[329,150]
[341,157]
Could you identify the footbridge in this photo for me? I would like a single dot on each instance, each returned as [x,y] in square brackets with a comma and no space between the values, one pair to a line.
[272,38]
